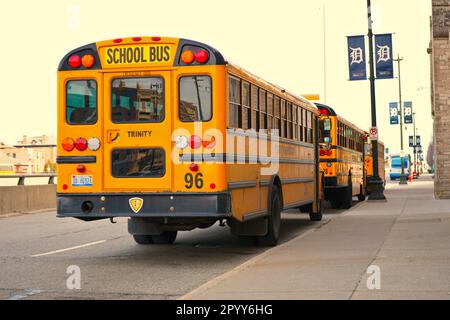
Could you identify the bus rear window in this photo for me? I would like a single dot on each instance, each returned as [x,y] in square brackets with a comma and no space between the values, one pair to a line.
[195,98]
[325,130]
[137,100]
[81,102]
[138,163]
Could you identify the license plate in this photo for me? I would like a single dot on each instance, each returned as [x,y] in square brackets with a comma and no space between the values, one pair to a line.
[82,181]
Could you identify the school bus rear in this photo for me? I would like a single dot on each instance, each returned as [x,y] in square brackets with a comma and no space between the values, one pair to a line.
[119,155]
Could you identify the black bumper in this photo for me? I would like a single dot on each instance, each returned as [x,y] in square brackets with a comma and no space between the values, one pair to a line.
[154,205]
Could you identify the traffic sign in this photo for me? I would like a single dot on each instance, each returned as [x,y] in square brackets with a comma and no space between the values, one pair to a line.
[373,133]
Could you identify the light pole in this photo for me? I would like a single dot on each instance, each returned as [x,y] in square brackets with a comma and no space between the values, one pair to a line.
[402,179]
[415,143]
[374,183]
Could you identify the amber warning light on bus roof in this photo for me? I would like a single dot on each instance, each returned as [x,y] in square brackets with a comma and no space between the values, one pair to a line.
[87,61]
[188,56]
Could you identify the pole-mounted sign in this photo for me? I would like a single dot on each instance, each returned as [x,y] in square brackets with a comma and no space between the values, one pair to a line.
[418,141]
[356,58]
[383,50]
[407,106]
[411,141]
[393,112]
[373,131]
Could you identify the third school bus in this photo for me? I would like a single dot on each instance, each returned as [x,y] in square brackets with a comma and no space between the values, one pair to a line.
[167,133]
[342,146]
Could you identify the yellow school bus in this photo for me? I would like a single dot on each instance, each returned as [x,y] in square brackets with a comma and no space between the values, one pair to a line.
[166,132]
[342,158]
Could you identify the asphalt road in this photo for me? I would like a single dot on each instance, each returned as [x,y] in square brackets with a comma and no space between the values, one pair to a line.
[37,249]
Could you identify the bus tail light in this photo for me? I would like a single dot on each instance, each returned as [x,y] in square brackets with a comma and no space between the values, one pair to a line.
[81,144]
[88,61]
[81,168]
[201,56]
[209,142]
[196,142]
[329,152]
[93,144]
[324,112]
[75,61]
[187,57]
[193,167]
[156,38]
[322,152]
[181,142]
[68,144]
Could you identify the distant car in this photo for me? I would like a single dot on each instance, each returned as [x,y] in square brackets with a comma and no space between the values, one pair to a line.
[396,166]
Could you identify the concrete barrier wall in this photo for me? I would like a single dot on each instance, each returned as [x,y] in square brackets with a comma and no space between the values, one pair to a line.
[27,198]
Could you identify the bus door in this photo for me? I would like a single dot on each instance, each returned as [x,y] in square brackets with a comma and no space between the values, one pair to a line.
[137,131]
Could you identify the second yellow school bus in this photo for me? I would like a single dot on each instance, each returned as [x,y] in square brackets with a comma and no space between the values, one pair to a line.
[167,133]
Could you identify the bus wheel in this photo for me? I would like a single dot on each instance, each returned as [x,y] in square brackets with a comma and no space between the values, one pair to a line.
[316,216]
[143,239]
[348,195]
[361,195]
[167,237]
[274,221]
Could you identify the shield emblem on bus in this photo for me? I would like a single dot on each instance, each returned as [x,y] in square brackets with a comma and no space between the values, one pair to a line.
[136,204]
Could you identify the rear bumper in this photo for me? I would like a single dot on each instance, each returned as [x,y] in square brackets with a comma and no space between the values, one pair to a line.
[154,205]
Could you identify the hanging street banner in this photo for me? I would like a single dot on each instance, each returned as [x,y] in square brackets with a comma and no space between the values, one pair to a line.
[357,58]
[407,106]
[411,141]
[418,141]
[393,112]
[383,50]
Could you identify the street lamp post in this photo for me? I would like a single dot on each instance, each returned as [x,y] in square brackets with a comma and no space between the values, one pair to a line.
[374,183]
[402,179]
[415,143]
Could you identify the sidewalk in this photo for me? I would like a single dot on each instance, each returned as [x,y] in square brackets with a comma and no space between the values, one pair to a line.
[408,238]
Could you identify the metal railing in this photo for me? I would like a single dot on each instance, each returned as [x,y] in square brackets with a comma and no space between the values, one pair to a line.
[21,177]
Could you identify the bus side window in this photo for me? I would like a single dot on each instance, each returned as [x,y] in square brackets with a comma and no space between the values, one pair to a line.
[255,110]
[235,110]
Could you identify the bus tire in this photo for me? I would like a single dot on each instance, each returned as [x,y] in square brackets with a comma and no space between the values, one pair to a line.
[143,239]
[348,195]
[274,221]
[167,237]
[361,195]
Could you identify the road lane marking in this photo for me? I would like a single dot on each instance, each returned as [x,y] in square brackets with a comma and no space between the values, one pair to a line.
[68,249]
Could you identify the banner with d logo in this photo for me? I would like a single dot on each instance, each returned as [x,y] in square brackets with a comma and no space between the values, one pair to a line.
[383,53]
[356,58]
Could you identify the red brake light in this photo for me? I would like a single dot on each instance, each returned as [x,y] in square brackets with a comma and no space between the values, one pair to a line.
[187,57]
[324,112]
[193,167]
[201,56]
[329,152]
[209,142]
[68,144]
[88,60]
[322,152]
[81,168]
[75,61]
[81,144]
[196,142]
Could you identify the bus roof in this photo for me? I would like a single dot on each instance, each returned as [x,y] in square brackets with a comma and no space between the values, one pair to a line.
[99,51]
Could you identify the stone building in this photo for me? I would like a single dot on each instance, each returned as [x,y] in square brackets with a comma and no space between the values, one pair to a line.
[440,90]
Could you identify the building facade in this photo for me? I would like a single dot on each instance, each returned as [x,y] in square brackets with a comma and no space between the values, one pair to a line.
[440,90]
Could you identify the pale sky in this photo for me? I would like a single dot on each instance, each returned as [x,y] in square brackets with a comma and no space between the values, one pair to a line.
[281,41]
